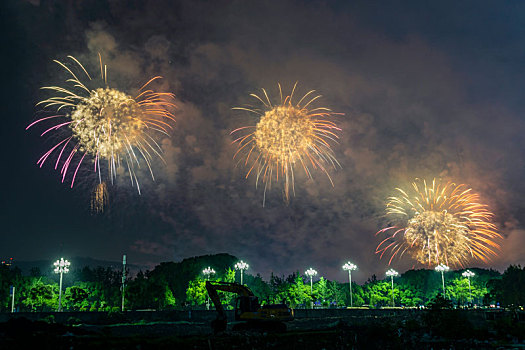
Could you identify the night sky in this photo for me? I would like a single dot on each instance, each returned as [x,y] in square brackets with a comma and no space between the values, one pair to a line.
[427,89]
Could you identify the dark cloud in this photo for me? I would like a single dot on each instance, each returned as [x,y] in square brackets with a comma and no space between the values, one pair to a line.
[411,109]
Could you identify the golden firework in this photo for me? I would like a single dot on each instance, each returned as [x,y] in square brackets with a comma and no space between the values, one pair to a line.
[107,122]
[439,223]
[285,135]
[99,198]
[106,125]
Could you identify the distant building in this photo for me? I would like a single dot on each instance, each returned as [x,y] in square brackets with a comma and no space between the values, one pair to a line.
[7,262]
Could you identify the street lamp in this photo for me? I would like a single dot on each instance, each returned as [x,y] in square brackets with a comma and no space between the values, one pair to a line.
[392,273]
[61,267]
[469,274]
[350,267]
[207,272]
[241,265]
[442,268]
[311,273]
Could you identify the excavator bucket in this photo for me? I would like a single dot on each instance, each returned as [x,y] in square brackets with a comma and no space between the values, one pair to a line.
[219,325]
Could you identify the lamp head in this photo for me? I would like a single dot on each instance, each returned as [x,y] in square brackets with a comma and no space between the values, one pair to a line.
[241,265]
[310,272]
[442,268]
[392,273]
[208,271]
[468,274]
[349,266]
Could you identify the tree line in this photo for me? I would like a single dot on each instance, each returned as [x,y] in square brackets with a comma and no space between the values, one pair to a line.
[179,286]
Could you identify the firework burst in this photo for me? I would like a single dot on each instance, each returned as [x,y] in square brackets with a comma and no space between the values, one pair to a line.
[439,223]
[104,127]
[285,135]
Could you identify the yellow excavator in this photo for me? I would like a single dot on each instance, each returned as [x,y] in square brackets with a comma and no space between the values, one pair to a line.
[247,308]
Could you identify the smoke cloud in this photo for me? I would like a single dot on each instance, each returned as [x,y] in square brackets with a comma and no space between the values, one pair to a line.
[412,108]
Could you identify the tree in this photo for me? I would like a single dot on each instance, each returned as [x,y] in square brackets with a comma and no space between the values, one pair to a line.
[409,298]
[76,298]
[259,287]
[169,301]
[296,293]
[458,291]
[150,291]
[439,302]
[105,284]
[196,292]
[379,293]
[321,292]
[41,296]
[358,294]
[335,293]
[136,292]
[178,275]
[479,292]
[509,290]
[226,298]
[277,288]
[10,276]
[229,276]
[98,289]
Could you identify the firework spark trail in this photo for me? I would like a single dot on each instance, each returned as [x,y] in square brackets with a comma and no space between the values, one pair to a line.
[286,134]
[105,124]
[439,223]
[99,198]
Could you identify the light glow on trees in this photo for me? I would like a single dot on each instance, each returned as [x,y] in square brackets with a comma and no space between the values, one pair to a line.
[469,274]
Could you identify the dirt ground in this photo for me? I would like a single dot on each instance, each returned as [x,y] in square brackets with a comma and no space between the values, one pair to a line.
[328,333]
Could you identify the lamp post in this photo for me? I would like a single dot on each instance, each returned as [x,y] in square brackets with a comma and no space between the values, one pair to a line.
[311,273]
[392,273]
[12,290]
[350,267]
[207,272]
[442,268]
[61,267]
[469,274]
[123,279]
[241,265]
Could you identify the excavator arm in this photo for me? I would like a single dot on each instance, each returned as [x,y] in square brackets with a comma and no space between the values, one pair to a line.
[220,322]
[229,287]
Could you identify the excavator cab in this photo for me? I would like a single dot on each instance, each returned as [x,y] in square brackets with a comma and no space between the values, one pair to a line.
[244,305]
